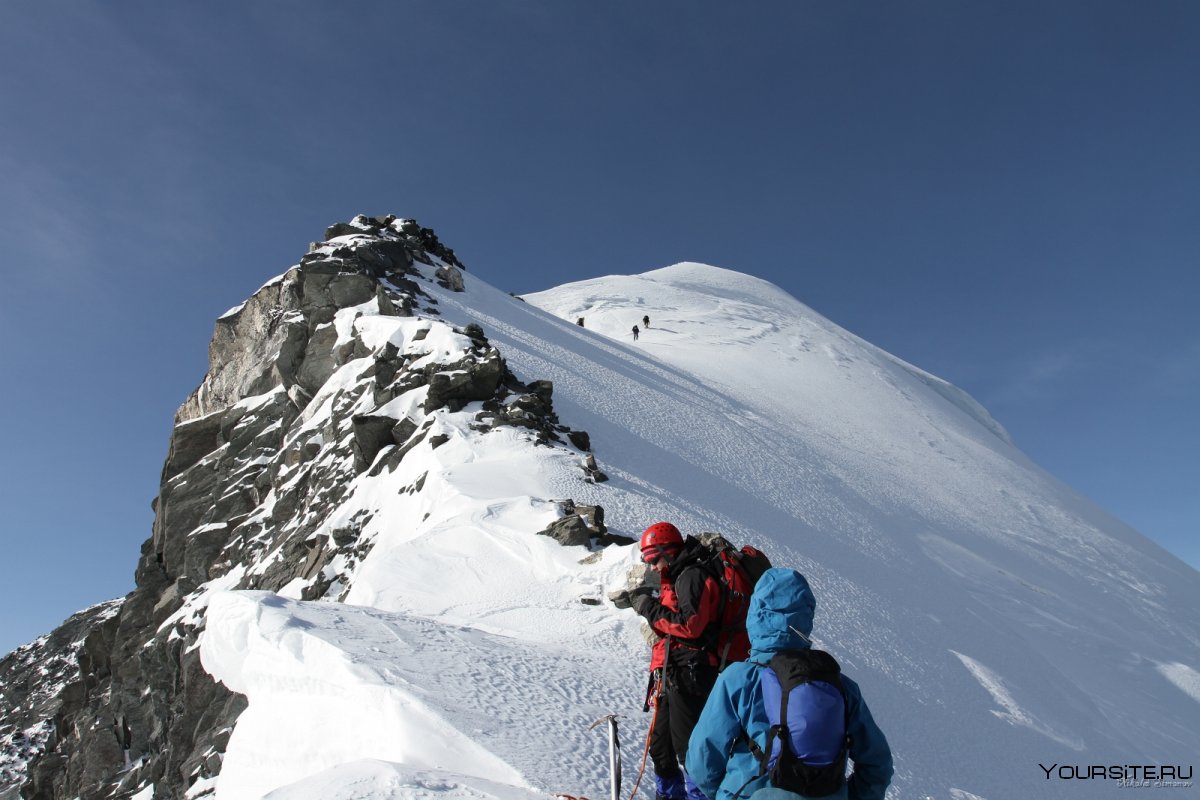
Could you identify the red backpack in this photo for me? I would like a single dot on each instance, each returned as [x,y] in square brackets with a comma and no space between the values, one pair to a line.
[736,571]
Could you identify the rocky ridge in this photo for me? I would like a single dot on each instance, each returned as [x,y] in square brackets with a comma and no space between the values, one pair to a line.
[39,678]
[306,393]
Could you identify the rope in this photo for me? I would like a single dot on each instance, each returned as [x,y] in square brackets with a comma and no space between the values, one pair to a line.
[649,733]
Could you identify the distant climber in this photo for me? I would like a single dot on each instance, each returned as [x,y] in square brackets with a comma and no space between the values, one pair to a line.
[733,753]
[646,322]
[579,322]
[683,664]
[635,332]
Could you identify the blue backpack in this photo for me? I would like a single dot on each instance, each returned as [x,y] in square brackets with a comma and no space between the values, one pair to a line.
[807,743]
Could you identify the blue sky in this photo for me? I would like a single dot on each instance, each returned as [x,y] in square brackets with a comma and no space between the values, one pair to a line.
[1005,194]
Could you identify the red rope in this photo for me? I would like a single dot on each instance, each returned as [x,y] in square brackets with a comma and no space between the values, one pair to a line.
[649,733]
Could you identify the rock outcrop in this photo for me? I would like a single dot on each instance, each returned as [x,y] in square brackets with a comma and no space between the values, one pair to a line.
[42,685]
[303,394]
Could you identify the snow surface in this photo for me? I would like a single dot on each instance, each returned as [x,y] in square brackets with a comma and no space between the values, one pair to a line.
[995,618]
[367,779]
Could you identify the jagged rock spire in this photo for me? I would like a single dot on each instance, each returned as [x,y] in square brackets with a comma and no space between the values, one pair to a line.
[309,388]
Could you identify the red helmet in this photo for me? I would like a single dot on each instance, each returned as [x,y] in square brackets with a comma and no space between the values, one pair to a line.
[660,536]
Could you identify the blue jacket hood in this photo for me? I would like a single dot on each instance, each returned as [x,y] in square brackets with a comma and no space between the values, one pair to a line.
[781,613]
[719,758]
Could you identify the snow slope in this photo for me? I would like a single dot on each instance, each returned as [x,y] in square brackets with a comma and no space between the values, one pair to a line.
[994,618]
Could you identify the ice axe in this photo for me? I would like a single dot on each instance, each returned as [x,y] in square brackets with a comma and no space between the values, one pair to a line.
[614,754]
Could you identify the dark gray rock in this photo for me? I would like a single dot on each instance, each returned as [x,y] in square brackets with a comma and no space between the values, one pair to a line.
[242,354]
[244,429]
[389,307]
[371,434]
[580,439]
[203,546]
[569,531]
[593,516]
[32,688]
[317,556]
[403,431]
[340,229]
[366,223]
[319,360]
[324,264]
[468,380]
[450,277]
[190,442]
[183,503]
[133,685]
[351,290]
[292,344]
[325,294]
[592,470]
[382,256]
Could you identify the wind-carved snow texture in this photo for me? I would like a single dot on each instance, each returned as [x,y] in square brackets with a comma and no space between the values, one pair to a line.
[362,567]
[404,690]
[922,528]
[924,531]
[926,535]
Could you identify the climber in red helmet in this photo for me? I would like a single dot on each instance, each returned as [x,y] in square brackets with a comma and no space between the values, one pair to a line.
[684,661]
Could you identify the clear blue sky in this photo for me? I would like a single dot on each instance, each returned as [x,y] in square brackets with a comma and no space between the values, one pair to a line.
[1005,194]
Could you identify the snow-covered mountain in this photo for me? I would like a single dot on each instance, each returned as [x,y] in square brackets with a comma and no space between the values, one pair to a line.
[346,595]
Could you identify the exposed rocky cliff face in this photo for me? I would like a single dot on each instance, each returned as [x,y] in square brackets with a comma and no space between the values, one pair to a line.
[39,679]
[297,402]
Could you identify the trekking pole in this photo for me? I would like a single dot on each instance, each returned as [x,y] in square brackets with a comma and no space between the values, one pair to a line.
[614,755]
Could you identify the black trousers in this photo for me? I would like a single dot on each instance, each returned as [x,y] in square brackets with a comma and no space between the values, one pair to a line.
[689,679]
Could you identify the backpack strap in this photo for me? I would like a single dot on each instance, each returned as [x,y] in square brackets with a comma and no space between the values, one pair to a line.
[711,565]
[726,591]
[723,557]
[708,565]
[724,655]
[795,667]
[779,730]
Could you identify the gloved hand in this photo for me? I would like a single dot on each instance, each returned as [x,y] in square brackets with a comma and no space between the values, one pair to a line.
[624,598]
[620,599]
[641,600]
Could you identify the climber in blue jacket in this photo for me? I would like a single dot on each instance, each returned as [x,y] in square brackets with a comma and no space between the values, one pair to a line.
[720,760]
